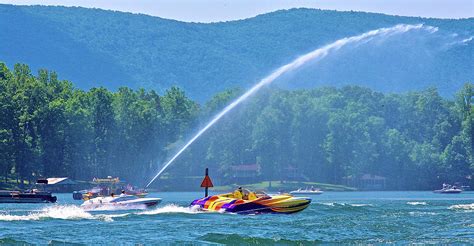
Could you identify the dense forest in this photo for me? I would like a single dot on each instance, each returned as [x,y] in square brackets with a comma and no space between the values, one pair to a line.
[416,140]
[94,47]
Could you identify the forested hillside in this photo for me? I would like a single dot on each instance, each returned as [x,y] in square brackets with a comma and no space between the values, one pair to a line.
[416,140]
[106,48]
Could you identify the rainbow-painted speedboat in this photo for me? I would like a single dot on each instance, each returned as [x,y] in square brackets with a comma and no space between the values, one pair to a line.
[252,203]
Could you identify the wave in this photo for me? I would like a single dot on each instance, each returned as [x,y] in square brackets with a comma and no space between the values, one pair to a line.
[115,208]
[462,207]
[222,238]
[335,204]
[172,208]
[12,241]
[67,212]
[72,212]
[417,203]
[419,213]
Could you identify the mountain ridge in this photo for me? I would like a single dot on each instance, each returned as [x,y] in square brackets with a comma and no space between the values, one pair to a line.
[94,47]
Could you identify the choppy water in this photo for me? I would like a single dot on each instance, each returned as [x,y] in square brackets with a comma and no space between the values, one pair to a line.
[338,217]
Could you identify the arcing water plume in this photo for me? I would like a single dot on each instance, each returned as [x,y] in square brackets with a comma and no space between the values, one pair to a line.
[318,53]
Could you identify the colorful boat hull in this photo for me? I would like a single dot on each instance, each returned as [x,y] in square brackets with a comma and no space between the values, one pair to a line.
[285,204]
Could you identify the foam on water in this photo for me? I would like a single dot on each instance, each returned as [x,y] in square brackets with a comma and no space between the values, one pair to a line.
[68,212]
[421,213]
[297,63]
[334,204]
[114,208]
[462,207]
[64,212]
[417,203]
[172,208]
[73,212]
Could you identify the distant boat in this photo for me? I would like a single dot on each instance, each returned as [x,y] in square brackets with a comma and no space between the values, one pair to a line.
[448,189]
[307,191]
[28,196]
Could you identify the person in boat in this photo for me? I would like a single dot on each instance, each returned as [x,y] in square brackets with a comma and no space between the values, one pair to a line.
[122,194]
[239,193]
[244,194]
[112,194]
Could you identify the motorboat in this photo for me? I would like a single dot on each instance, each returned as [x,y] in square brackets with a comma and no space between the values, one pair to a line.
[107,186]
[36,194]
[137,193]
[247,202]
[449,189]
[28,196]
[311,191]
[119,202]
[104,187]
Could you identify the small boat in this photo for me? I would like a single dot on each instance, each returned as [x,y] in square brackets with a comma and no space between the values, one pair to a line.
[29,196]
[119,202]
[307,191]
[247,202]
[33,195]
[104,187]
[449,189]
[107,186]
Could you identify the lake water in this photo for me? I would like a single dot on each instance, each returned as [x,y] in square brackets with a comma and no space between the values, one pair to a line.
[333,217]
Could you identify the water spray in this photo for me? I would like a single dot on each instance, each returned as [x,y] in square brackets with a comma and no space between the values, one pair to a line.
[318,53]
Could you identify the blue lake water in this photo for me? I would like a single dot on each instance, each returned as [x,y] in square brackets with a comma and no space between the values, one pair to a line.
[333,217]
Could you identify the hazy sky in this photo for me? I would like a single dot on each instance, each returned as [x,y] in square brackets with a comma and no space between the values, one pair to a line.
[222,10]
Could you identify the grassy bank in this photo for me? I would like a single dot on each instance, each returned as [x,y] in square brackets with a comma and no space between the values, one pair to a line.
[285,186]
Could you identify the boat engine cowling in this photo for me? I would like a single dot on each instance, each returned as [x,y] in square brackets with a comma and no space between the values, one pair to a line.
[53,199]
[77,195]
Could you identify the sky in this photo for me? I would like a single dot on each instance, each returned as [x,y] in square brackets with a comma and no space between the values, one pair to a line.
[225,10]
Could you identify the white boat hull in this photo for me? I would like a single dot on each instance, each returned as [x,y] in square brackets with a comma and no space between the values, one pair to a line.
[306,192]
[127,202]
[448,191]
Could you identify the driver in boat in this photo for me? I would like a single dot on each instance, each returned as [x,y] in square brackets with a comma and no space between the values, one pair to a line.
[244,194]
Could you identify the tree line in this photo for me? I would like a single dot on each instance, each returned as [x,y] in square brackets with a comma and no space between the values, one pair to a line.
[416,140]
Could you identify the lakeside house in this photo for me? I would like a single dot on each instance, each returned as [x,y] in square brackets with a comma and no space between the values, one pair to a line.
[366,181]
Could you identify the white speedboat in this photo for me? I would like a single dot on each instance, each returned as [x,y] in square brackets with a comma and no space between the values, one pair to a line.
[307,191]
[120,202]
[449,189]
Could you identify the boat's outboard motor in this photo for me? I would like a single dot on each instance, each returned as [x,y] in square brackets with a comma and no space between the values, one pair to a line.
[53,199]
[76,195]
